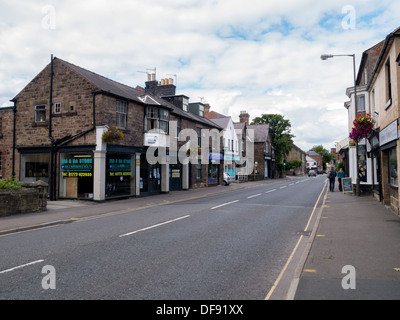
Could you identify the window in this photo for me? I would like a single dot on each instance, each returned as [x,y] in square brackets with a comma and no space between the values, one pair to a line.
[152,118]
[122,109]
[360,104]
[392,158]
[164,119]
[201,111]
[157,119]
[388,84]
[40,113]
[198,170]
[185,104]
[57,108]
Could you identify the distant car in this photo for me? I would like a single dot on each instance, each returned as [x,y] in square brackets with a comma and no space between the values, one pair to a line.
[227,179]
[312,173]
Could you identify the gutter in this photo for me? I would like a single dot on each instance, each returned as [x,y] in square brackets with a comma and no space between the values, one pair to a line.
[388,42]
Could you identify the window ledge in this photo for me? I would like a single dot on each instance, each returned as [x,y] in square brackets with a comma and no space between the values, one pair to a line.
[388,104]
[40,124]
[393,185]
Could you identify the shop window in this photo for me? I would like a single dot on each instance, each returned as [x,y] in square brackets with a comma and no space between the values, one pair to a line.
[119,175]
[393,179]
[76,180]
[362,162]
[198,170]
[40,113]
[35,167]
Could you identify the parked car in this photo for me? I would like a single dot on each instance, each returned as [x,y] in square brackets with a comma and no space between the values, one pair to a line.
[312,173]
[227,179]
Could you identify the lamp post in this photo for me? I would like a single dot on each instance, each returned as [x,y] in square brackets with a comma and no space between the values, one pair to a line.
[326,57]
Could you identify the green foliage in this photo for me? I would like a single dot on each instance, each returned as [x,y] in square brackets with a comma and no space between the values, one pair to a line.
[326,155]
[294,164]
[9,184]
[282,138]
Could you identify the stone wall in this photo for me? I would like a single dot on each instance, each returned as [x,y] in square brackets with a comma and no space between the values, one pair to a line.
[22,201]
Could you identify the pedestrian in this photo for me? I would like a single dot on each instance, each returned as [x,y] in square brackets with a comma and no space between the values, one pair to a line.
[340,175]
[331,177]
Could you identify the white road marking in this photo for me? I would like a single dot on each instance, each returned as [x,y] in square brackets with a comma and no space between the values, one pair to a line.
[21,266]
[283,187]
[154,226]
[224,204]
[256,195]
[271,191]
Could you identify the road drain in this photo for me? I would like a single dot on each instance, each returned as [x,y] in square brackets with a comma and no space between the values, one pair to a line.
[304,233]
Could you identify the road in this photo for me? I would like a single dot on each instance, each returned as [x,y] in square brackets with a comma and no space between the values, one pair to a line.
[231,246]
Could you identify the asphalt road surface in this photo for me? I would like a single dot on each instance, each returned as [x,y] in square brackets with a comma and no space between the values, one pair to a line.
[230,246]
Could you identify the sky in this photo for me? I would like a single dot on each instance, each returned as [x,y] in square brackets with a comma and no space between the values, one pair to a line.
[259,56]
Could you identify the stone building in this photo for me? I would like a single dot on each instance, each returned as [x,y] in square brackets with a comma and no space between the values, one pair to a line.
[60,118]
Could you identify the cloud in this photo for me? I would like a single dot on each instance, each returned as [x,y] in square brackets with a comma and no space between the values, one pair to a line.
[262,57]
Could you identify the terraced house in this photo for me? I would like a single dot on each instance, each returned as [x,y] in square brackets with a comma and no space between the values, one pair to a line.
[65,128]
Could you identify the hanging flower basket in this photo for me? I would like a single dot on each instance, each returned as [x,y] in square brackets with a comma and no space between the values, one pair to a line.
[193,150]
[112,135]
[363,126]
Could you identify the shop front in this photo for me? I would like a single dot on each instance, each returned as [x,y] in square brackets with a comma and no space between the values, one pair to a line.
[120,175]
[150,177]
[76,174]
[388,138]
[214,168]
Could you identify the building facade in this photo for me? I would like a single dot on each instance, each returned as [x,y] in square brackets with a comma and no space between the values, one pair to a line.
[60,122]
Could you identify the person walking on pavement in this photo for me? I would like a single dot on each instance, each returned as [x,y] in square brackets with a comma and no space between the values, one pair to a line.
[331,177]
[340,175]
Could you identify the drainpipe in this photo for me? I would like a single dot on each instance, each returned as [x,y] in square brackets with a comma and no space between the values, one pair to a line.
[52,149]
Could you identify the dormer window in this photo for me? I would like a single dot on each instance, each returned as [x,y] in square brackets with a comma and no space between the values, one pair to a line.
[201,111]
[185,104]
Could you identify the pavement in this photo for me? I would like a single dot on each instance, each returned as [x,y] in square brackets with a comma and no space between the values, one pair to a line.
[353,252]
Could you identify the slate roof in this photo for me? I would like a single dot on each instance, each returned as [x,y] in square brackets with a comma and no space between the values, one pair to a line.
[109,86]
[260,131]
[122,90]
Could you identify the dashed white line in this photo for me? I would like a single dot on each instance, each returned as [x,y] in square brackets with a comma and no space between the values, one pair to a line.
[256,195]
[283,187]
[154,226]
[21,266]
[271,191]
[224,204]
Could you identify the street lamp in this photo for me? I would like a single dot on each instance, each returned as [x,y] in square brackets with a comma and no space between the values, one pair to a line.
[326,57]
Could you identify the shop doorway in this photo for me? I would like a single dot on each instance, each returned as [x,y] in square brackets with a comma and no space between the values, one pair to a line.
[150,177]
[175,177]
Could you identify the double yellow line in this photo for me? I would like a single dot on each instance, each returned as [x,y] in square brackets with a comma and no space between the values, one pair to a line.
[295,248]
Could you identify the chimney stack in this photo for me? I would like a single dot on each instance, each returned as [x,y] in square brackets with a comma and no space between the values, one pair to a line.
[244,117]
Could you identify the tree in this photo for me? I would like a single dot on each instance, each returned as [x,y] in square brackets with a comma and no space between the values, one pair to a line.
[282,138]
[326,155]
